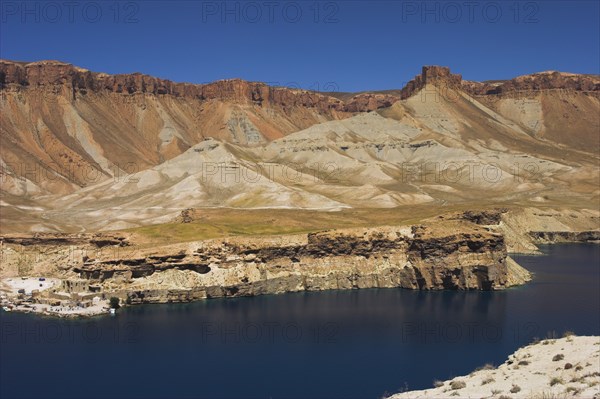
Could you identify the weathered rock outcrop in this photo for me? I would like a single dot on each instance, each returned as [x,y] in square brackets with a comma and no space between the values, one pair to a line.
[535,370]
[491,217]
[98,240]
[421,257]
[523,229]
[463,250]
[549,237]
[44,73]
[436,75]
[80,81]
[368,101]
[551,80]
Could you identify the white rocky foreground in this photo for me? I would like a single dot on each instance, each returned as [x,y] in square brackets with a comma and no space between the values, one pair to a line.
[553,368]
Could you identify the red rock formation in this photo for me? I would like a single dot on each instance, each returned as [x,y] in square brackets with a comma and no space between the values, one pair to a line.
[370,101]
[551,80]
[437,75]
[44,73]
[239,91]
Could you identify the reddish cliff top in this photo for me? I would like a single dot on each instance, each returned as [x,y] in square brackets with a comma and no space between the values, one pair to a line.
[50,72]
[43,73]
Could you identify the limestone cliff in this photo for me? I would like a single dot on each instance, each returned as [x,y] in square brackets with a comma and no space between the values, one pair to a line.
[465,250]
[427,257]
[523,229]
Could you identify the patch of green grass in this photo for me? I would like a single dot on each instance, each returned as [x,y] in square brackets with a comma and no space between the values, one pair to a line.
[210,223]
[170,233]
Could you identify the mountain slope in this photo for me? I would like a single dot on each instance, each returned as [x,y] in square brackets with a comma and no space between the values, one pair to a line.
[80,127]
[142,158]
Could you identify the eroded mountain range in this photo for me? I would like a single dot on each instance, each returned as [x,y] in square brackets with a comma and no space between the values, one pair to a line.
[89,151]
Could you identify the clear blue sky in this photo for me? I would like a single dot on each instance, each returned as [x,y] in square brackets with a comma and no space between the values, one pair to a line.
[348,45]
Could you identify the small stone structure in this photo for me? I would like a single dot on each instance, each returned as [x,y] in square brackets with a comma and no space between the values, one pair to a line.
[75,286]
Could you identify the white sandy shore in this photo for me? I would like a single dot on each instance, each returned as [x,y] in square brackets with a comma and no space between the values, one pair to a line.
[555,368]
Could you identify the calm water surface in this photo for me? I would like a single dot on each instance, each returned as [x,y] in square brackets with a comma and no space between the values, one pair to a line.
[350,344]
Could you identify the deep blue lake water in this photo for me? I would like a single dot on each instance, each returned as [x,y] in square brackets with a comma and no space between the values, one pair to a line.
[341,344]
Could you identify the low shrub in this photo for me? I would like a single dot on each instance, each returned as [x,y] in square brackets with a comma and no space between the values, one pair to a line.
[458,385]
[556,380]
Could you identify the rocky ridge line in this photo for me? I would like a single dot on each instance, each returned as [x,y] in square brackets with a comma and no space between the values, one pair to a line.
[48,73]
[553,80]
[45,73]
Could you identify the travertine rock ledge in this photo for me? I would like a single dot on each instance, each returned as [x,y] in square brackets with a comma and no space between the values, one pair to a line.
[450,254]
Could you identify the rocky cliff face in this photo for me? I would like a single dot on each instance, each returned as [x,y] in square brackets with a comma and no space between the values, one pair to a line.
[98,240]
[523,229]
[551,237]
[369,101]
[459,251]
[81,81]
[552,80]
[421,257]
[436,75]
